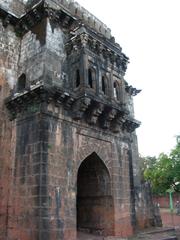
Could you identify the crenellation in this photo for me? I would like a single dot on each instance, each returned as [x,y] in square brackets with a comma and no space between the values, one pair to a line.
[73,7]
[81,13]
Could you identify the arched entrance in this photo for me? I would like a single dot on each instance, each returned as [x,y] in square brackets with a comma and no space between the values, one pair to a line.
[95,212]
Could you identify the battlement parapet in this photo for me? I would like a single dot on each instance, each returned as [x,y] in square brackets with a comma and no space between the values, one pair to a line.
[85,16]
[70,6]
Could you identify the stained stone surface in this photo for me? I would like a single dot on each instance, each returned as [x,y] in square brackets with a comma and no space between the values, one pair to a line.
[69,157]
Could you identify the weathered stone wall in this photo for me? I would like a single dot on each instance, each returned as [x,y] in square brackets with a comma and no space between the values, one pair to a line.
[22,145]
[55,63]
[42,55]
[17,186]
[30,180]
[49,152]
[32,54]
[9,46]
[147,213]
[60,122]
[68,145]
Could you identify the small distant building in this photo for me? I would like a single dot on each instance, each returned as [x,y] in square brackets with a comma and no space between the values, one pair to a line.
[68,148]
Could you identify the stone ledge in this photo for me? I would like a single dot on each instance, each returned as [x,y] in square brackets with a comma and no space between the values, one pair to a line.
[69,7]
[93,110]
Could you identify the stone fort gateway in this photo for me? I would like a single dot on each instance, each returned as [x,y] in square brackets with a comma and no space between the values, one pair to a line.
[68,147]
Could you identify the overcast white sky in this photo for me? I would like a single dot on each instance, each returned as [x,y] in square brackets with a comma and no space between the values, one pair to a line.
[149,33]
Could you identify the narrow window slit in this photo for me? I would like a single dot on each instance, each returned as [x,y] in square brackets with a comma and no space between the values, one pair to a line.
[77,78]
[90,78]
[103,85]
[21,84]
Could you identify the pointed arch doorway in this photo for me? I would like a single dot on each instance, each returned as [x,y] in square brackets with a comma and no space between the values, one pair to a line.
[95,211]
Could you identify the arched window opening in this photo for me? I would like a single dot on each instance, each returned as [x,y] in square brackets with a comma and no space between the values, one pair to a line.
[116,90]
[90,78]
[21,84]
[77,78]
[103,84]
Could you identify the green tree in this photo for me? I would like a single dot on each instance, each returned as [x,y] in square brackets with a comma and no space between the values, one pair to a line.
[175,159]
[163,172]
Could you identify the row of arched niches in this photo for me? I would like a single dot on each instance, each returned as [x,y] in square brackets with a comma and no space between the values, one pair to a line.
[96,82]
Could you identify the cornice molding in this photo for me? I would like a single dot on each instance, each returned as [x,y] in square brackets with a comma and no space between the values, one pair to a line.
[81,35]
[83,38]
[32,17]
[62,16]
[84,107]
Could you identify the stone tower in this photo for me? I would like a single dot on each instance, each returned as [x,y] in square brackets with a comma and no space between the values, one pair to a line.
[68,148]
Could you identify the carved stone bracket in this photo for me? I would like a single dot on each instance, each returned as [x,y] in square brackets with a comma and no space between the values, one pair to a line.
[22,101]
[132,91]
[69,102]
[84,39]
[108,115]
[131,124]
[117,123]
[19,102]
[79,107]
[7,20]
[94,112]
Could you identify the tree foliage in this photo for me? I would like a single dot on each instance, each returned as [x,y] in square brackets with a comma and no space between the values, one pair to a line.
[163,172]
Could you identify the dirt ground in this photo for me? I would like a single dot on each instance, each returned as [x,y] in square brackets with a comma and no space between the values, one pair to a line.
[169,220]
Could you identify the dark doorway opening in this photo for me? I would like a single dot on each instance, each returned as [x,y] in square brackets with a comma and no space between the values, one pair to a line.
[94,199]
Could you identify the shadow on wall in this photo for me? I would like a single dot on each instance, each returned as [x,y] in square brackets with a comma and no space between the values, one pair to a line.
[94,197]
